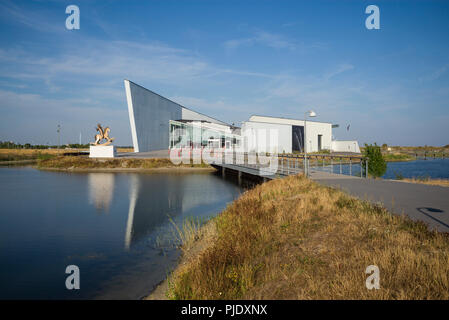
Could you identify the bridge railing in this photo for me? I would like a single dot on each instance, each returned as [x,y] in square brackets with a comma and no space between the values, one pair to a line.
[428,155]
[354,165]
[287,164]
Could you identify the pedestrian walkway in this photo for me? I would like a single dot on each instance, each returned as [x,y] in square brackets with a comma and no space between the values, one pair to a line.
[427,203]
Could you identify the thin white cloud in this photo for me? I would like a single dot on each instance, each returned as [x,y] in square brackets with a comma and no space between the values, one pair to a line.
[104,60]
[340,69]
[262,38]
[436,74]
[9,11]
[39,116]
[86,82]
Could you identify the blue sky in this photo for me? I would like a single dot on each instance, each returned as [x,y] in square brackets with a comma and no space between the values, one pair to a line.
[229,60]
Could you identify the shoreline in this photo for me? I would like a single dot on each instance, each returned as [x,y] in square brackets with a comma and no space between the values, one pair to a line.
[82,164]
[117,169]
[190,252]
[18,162]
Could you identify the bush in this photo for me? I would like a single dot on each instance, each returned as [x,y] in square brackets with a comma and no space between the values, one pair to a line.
[399,176]
[376,163]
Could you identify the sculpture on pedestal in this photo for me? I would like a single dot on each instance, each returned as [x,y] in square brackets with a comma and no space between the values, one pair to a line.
[103,134]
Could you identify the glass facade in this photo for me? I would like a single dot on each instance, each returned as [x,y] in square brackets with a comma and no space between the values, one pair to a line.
[200,134]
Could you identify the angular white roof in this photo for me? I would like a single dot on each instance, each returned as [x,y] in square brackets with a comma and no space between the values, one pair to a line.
[256,118]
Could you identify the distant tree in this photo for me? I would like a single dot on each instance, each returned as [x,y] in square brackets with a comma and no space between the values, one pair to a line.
[376,162]
[384,146]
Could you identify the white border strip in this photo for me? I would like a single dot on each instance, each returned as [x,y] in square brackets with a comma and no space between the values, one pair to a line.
[131,115]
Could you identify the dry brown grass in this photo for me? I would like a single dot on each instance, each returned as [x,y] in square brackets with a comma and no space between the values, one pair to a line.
[434,182]
[31,151]
[28,154]
[68,162]
[294,239]
[50,151]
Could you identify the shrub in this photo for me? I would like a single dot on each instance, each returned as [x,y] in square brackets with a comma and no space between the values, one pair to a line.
[376,163]
[399,176]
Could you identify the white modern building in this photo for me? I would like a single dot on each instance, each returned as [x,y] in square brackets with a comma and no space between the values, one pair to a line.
[158,123]
[291,134]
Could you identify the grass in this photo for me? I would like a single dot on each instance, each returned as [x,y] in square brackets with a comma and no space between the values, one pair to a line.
[294,239]
[26,154]
[188,233]
[427,180]
[69,162]
[54,159]
[392,157]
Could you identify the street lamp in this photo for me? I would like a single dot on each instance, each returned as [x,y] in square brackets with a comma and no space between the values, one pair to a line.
[311,114]
[58,130]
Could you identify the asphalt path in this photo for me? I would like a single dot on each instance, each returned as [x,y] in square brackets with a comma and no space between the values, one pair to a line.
[418,201]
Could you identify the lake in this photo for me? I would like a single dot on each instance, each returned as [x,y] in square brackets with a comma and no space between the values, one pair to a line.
[432,168]
[116,227]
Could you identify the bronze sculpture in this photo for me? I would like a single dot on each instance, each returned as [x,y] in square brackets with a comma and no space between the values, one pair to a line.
[103,134]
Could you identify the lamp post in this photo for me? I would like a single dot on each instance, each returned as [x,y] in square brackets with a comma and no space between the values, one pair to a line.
[311,114]
[58,130]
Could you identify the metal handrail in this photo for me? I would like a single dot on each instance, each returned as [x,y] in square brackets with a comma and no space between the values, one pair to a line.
[283,169]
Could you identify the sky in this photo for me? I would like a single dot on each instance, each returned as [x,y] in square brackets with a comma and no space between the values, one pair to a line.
[229,60]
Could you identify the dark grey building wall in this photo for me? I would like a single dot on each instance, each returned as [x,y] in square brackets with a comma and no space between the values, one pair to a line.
[149,116]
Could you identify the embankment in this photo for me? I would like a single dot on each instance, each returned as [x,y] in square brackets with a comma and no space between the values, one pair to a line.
[295,239]
[68,163]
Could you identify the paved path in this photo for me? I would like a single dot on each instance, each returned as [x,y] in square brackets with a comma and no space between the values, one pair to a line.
[419,201]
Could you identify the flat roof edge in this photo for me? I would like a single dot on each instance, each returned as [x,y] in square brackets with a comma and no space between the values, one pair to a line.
[284,118]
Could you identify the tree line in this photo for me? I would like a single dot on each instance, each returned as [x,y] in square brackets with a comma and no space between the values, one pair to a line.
[13,145]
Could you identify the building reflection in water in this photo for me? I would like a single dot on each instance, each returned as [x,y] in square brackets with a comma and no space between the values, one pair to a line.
[155,198]
[133,193]
[101,190]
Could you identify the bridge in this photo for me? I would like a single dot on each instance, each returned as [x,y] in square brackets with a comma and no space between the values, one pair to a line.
[246,165]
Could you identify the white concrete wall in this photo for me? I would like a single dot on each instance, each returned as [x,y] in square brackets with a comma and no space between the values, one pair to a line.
[253,133]
[313,129]
[102,151]
[345,146]
[149,115]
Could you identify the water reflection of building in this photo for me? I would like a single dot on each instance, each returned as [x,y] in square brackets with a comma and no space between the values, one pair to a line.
[101,190]
[151,202]
[200,190]
[155,198]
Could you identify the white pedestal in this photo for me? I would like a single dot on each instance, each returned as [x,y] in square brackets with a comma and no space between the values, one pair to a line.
[102,152]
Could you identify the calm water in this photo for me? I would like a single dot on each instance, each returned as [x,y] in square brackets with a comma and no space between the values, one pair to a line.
[114,226]
[433,168]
